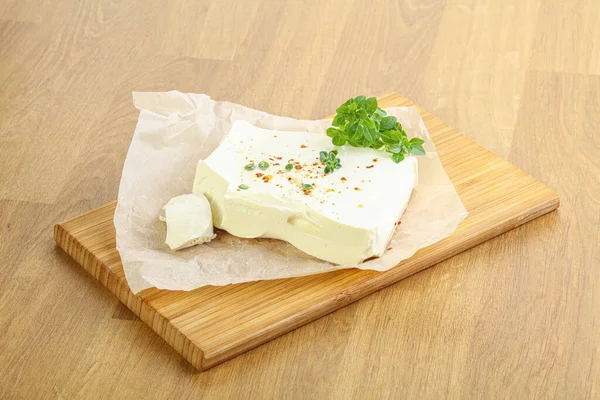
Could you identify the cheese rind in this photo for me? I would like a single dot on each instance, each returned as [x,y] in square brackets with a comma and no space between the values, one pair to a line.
[348,216]
[189,221]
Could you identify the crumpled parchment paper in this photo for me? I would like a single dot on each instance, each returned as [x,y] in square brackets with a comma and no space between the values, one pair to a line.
[174,131]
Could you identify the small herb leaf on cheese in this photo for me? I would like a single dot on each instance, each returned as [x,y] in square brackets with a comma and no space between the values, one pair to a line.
[289,167]
[360,122]
[250,167]
[263,165]
[243,186]
[330,160]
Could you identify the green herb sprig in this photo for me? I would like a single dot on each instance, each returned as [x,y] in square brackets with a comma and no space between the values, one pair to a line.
[359,122]
[331,161]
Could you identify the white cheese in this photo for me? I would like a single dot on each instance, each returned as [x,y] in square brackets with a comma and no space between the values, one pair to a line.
[349,216]
[189,221]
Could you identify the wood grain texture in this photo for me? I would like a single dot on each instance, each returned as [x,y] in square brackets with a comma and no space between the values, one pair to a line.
[210,325]
[515,317]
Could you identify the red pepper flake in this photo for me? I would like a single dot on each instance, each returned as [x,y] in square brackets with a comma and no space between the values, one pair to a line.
[289,179]
[357,189]
[389,248]
[298,166]
[290,160]
[259,174]
[343,179]
[375,160]
[271,159]
[303,146]
[275,163]
[267,178]
[369,166]
[315,164]
[279,158]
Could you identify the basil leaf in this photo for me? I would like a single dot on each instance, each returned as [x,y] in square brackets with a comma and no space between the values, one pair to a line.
[352,142]
[332,132]
[388,137]
[343,109]
[380,112]
[370,105]
[339,140]
[368,135]
[417,150]
[388,122]
[351,128]
[394,148]
[398,158]
[338,120]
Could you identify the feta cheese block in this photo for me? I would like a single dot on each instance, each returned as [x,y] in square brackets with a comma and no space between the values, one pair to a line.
[189,221]
[347,216]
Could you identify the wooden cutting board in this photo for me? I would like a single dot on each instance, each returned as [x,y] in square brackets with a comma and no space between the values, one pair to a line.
[213,324]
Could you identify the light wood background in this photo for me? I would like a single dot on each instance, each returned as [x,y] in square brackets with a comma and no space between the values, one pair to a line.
[517,317]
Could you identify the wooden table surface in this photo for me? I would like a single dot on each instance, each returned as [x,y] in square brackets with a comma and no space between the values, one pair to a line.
[516,317]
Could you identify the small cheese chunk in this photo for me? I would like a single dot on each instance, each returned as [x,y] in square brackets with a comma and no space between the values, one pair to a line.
[344,217]
[189,221]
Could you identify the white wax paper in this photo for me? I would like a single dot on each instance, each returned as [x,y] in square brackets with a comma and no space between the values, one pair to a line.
[174,131]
